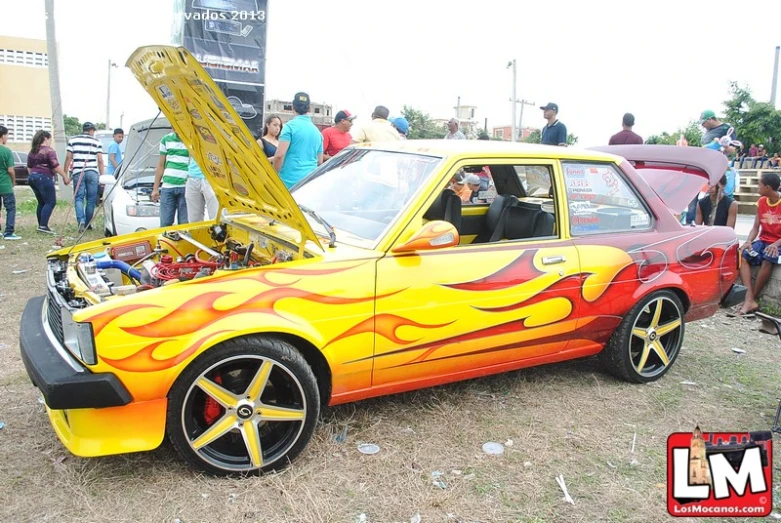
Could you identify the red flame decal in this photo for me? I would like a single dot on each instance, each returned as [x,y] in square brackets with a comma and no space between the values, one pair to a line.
[514,274]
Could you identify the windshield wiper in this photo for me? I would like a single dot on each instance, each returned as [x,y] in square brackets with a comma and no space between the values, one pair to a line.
[321,221]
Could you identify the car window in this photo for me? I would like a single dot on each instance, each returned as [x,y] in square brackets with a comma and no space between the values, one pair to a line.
[22,158]
[535,179]
[601,200]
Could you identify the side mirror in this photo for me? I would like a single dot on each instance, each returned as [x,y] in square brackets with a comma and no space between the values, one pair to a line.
[106,179]
[434,235]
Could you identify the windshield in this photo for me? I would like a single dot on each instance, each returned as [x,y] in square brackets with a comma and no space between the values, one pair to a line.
[362,191]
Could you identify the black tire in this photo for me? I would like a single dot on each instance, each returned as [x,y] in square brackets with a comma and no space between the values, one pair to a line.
[623,354]
[289,388]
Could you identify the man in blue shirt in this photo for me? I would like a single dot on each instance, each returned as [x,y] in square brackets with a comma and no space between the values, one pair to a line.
[300,148]
[555,133]
[115,152]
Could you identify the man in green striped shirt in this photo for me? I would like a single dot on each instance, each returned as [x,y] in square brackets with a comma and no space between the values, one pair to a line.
[172,172]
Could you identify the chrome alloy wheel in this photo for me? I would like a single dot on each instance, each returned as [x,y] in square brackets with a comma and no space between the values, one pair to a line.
[656,337]
[243,413]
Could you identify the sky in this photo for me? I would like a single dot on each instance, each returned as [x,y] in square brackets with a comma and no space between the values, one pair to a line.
[664,61]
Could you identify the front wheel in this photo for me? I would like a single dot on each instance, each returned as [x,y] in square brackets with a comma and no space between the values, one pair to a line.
[648,340]
[244,407]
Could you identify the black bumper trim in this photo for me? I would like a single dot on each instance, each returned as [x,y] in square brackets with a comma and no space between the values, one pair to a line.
[735,296]
[62,386]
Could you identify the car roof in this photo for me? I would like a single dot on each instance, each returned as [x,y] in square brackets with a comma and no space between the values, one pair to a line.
[470,148]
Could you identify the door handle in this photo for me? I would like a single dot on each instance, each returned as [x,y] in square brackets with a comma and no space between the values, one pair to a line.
[552,260]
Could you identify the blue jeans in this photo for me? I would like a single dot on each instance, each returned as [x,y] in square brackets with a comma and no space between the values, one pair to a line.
[43,188]
[9,200]
[88,186]
[172,204]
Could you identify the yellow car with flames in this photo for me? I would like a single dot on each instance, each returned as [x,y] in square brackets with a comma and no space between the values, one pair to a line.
[393,266]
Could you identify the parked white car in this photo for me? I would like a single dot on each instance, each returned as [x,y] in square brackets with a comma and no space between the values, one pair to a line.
[127,204]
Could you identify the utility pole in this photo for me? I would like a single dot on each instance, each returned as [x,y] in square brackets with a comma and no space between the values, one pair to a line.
[58,125]
[775,79]
[108,91]
[520,120]
[121,119]
[458,109]
[514,98]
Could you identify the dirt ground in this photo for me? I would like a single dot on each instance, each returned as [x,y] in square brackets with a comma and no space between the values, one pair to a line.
[570,419]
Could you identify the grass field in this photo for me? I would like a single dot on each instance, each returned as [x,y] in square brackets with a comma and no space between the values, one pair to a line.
[570,419]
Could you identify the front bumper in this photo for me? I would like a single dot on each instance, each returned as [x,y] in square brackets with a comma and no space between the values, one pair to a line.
[64,382]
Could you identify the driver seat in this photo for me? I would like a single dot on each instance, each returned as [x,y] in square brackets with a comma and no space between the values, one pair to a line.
[447,207]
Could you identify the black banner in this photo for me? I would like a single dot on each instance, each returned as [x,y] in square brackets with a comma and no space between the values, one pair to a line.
[248,102]
[228,38]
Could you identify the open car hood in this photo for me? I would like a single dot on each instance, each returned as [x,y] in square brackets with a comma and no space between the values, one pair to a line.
[676,174]
[230,158]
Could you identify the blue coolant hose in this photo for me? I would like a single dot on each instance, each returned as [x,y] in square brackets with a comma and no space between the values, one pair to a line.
[126,269]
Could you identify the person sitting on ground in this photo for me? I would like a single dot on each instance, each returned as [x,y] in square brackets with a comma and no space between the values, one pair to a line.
[717,208]
[764,251]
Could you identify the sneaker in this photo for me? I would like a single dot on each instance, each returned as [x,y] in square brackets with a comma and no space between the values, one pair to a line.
[43,228]
[89,228]
[82,227]
[11,236]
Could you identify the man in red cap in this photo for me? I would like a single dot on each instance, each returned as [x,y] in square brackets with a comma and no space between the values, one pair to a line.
[337,137]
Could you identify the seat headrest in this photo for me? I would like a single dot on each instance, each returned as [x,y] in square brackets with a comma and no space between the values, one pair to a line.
[501,202]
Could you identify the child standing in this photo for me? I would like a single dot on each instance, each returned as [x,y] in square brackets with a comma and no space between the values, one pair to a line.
[7,182]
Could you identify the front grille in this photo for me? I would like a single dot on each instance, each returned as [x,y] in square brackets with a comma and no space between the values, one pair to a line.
[54,314]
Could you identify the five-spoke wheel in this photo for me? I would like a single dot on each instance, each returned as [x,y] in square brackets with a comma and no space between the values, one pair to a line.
[246,406]
[648,340]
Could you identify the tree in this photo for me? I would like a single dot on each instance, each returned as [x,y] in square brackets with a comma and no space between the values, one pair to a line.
[421,126]
[72,125]
[534,137]
[754,122]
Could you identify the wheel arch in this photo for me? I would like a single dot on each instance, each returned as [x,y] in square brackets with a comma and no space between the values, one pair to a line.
[313,356]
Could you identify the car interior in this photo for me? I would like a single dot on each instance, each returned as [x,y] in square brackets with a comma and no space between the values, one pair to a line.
[517,204]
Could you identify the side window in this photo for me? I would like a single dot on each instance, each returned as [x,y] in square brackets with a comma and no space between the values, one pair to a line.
[22,158]
[601,200]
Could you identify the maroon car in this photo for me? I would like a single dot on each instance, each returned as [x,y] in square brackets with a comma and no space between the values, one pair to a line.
[20,167]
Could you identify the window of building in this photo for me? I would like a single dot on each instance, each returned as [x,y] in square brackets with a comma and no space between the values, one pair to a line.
[287,107]
[317,110]
[28,58]
[600,200]
[22,128]
[499,133]
[268,107]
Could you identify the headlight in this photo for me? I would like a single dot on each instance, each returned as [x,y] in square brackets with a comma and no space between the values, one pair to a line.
[78,338]
[143,211]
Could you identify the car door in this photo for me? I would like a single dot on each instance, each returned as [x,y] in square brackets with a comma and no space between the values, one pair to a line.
[470,310]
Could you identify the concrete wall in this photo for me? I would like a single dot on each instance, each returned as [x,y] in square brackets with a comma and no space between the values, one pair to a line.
[771,294]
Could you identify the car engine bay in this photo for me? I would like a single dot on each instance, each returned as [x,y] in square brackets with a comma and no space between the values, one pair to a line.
[122,268]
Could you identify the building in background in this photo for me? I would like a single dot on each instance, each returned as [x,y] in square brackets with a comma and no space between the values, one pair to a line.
[25,101]
[505,132]
[322,114]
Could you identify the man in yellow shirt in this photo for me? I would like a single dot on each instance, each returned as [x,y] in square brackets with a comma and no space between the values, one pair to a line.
[378,130]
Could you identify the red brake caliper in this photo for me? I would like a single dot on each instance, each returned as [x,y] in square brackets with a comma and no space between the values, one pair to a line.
[211,409]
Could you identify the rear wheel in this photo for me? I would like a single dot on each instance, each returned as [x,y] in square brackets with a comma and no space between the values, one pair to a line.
[648,340]
[244,407]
